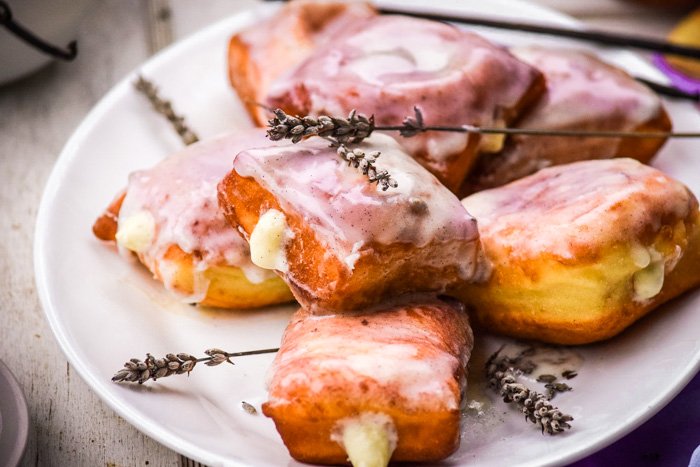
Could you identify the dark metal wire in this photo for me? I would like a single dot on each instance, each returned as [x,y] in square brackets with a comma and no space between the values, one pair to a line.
[586,35]
[601,37]
[29,37]
[670,91]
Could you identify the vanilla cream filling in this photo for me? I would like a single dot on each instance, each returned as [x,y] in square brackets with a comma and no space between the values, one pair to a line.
[136,231]
[267,241]
[649,280]
[368,439]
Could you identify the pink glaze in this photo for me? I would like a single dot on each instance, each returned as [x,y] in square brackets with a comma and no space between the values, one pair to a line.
[181,195]
[347,212]
[389,64]
[272,57]
[412,355]
[582,91]
[579,206]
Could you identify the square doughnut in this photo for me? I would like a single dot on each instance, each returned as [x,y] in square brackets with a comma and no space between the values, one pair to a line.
[257,56]
[388,65]
[581,251]
[583,93]
[169,217]
[338,240]
[372,385]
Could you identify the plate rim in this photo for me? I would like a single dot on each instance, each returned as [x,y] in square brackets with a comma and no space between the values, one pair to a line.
[67,155]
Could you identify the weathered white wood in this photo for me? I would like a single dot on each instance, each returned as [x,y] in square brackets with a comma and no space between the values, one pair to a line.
[70,425]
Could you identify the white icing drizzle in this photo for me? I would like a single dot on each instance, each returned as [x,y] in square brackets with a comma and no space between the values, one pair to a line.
[180,193]
[583,92]
[348,212]
[388,64]
[577,206]
[582,88]
[273,57]
[393,348]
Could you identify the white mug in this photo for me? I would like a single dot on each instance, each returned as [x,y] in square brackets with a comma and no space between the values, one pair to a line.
[53,21]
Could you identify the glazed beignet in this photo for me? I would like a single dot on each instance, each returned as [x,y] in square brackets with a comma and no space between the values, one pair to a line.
[372,386]
[583,93]
[169,217]
[263,52]
[580,251]
[341,242]
[387,65]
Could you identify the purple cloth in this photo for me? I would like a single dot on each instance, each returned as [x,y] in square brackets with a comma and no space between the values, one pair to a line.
[667,439]
[678,79]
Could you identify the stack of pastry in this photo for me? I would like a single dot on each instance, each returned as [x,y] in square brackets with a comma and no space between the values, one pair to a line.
[573,254]
[454,78]
[376,67]
[373,366]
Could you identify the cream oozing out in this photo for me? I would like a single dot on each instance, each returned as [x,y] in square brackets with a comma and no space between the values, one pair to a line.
[179,195]
[401,350]
[577,207]
[347,212]
[369,438]
[389,64]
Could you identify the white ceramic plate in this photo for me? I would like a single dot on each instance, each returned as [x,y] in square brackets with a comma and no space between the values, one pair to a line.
[104,309]
[14,419]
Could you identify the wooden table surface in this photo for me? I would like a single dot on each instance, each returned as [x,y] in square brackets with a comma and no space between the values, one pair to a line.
[70,425]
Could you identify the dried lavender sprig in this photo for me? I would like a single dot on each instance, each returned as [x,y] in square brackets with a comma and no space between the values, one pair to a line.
[358,159]
[165,108]
[138,371]
[534,405]
[350,130]
[340,132]
[413,125]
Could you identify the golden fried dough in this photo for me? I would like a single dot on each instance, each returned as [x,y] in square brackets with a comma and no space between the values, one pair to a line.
[340,241]
[583,93]
[371,385]
[262,53]
[581,251]
[169,217]
[452,76]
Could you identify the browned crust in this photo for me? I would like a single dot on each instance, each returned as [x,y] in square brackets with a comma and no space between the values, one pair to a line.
[456,173]
[105,227]
[243,74]
[549,325]
[300,25]
[452,170]
[425,434]
[382,271]
[526,324]
[293,36]
[306,429]
[645,149]
[487,171]
[228,288]
[535,91]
